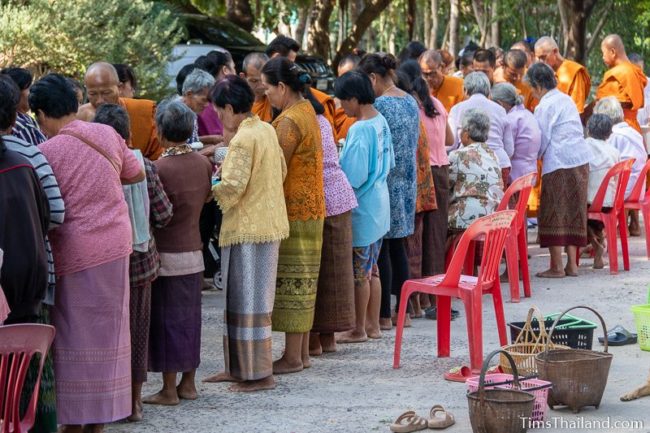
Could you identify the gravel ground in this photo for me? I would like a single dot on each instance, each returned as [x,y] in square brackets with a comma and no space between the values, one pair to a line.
[357,390]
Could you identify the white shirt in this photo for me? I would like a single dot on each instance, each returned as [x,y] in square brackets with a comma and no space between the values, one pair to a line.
[563,143]
[630,145]
[644,112]
[605,156]
[500,137]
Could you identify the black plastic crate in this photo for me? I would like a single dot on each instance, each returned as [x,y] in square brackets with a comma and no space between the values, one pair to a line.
[570,331]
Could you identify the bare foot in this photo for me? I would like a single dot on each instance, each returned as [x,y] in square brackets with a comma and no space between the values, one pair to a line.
[281,366]
[253,385]
[375,334]
[164,398]
[220,377]
[315,348]
[571,271]
[328,343]
[351,337]
[385,324]
[407,321]
[550,274]
[306,362]
[136,411]
[187,391]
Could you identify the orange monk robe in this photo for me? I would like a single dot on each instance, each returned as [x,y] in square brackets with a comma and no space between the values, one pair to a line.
[573,79]
[342,124]
[626,82]
[328,103]
[530,101]
[143,126]
[450,92]
[263,109]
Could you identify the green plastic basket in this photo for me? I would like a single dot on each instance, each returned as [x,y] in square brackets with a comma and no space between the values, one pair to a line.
[642,322]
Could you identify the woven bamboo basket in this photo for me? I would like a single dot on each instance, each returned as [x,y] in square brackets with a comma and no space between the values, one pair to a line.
[500,410]
[527,345]
[579,376]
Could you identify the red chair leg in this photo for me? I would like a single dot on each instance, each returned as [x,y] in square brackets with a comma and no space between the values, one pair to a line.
[522,241]
[474,319]
[622,231]
[645,210]
[401,316]
[513,266]
[470,259]
[443,311]
[612,247]
[497,300]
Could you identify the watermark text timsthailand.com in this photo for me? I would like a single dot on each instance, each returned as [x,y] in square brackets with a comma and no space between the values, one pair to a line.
[581,423]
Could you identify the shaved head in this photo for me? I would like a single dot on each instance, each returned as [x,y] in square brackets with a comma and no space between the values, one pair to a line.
[432,67]
[547,51]
[516,59]
[255,60]
[546,42]
[102,83]
[613,50]
[526,48]
[431,57]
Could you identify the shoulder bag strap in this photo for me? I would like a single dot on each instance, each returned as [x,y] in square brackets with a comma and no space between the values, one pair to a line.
[97,148]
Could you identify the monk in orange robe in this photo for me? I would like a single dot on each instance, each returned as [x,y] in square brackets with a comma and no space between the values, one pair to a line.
[624,80]
[448,89]
[342,122]
[252,72]
[102,83]
[572,78]
[514,69]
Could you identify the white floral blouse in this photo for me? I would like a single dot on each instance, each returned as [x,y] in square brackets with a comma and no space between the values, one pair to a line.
[475,184]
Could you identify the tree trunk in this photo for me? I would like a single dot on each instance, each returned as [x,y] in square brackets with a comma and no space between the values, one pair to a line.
[564,19]
[303,15]
[454,18]
[369,13]
[435,24]
[240,12]
[494,24]
[411,11]
[318,40]
[577,13]
[481,16]
[595,35]
[427,23]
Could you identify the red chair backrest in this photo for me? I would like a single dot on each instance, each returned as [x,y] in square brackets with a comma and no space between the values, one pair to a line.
[493,230]
[622,171]
[18,345]
[635,194]
[523,186]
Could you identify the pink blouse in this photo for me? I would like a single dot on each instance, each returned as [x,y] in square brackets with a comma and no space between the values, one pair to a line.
[97,228]
[339,196]
[436,128]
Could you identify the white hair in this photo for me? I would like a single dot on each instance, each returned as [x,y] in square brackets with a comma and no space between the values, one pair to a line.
[610,107]
[477,82]
[197,81]
[476,123]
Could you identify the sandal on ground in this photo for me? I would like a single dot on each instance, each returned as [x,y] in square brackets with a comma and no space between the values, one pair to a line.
[619,336]
[458,374]
[431,313]
[440,422]
[550,274]
[409,422]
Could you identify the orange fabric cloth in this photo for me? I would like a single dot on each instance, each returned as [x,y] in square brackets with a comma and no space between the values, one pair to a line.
[263,109]
[300,139]
[626,82]
[573,79]
[328,103]
[426,191]
[535,193]
[450,92]
[530,101]
[342,124]
[144,136]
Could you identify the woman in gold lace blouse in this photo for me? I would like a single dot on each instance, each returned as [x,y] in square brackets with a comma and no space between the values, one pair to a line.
[299,263]
[254,222]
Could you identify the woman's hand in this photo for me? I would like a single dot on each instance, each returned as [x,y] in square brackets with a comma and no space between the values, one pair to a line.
[211,139]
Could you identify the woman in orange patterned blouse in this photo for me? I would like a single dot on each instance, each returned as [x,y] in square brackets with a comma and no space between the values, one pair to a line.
[299,261]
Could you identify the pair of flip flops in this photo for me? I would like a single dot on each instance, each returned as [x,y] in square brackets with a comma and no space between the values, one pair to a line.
[461,374]
[431,313]
[619,336]
[409,421]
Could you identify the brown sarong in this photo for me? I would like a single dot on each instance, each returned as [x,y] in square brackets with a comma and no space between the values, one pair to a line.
[435,227]
[563,207]
[335,295]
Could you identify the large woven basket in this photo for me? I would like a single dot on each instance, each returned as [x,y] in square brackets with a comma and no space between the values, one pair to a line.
[579,376]
[500,410]
[527,345]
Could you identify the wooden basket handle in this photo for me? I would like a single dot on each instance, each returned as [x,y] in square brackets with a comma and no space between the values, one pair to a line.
[602,322]
[541,337]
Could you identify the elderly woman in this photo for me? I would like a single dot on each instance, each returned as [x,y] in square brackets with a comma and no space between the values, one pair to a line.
[25,127]
[526,135]
[402,115]
[477,91]
[92,296]
[219,64]
[175,334]
[565,173]
[629,143]
[299,262]
[250,190]
[605,155]
[475,182]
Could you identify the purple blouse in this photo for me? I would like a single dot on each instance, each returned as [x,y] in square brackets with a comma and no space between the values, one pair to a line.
[527,137]
[339,196]
[209,122]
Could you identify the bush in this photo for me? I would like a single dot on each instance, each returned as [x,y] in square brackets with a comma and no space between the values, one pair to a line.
[67,35]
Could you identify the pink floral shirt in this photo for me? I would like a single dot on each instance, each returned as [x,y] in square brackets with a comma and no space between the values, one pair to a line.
[339,196]
[97,228]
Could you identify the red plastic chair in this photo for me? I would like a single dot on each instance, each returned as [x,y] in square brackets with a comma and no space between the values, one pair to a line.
[615,216]
[636,202]
[18,345]
[517,241]
[493,230]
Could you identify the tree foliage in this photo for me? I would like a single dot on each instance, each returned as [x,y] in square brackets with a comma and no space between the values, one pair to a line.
[67,35]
